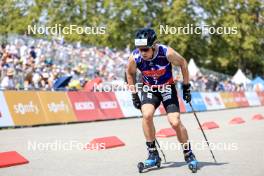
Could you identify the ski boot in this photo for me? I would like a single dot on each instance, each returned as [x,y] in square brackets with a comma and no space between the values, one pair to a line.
[191,161]
[152,161]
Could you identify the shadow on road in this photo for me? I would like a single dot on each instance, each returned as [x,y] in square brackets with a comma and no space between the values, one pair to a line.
[180,164]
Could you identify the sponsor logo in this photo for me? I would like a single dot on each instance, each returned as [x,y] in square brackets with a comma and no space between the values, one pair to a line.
[141,42]
[108,105]
[57,107]
[217,100]
[166,96]
[243,99]
[238,99]
[230,100]
[154,73]
[208,101]
[21,108]
[85,105]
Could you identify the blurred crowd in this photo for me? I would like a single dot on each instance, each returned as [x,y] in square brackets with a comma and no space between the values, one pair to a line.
[212,83]
[37,64]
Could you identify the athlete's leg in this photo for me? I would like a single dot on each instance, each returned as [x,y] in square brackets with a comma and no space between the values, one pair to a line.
[176,124]
[147,122]
[171,104]
[149,104]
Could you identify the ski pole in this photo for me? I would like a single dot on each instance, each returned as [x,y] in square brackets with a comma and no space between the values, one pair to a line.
[161,150]
[202,131]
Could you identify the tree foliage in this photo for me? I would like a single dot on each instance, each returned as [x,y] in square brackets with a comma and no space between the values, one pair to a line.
[224,53]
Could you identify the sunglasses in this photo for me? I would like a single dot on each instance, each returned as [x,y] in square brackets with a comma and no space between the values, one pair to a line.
[144,49]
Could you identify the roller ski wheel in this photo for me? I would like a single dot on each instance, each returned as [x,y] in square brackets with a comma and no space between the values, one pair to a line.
[191,161]
[158,164]
[149,163]
[193,166]
[140,167]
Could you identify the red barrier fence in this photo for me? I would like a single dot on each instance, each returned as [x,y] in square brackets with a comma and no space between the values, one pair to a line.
[27,108]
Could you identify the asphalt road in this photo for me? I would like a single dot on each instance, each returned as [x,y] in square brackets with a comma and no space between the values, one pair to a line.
[238,148]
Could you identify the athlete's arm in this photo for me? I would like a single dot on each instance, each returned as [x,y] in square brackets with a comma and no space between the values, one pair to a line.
[131,74]
[177,60]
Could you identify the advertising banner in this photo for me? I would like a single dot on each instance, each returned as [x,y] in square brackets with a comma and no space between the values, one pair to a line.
[5,118]
[212,100]
[85,106]
[240,99]
[108,105]
[261,97]
[56,106]
[228,99]
[253,98]
[125,100]
[25,107]
[197,102]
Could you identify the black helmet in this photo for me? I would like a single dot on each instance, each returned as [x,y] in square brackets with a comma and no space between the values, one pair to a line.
[145,37]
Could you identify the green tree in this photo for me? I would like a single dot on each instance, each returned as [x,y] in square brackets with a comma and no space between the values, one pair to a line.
[243,50]
[181,13]
[15,16]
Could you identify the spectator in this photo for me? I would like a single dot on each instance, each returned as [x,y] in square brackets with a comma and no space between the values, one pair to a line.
[32,52]
[39,63]
[8,82]
[45,81]
[28,80]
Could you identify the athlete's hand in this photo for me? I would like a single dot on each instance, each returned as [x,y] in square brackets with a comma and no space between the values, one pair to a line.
[136,100]
[187,97]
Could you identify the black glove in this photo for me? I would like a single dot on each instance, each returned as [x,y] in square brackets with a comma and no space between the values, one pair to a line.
[136,100]
[187,97]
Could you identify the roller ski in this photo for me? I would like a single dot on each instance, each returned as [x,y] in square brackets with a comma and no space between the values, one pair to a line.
[191,161]
[153,160]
